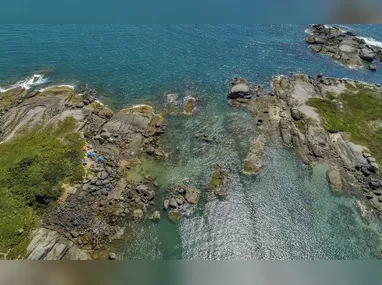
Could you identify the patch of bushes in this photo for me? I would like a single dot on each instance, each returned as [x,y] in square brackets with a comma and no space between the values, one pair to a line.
[352,112]
[33,167]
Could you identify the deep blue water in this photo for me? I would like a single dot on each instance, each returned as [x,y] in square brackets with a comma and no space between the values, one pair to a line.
[285,213]
[130,62]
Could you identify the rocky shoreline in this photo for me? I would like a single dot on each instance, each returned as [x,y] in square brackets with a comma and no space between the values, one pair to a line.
[91,213]
[284,113]
[344,47]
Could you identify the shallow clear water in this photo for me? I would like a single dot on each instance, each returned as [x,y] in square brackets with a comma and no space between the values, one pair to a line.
[285,213]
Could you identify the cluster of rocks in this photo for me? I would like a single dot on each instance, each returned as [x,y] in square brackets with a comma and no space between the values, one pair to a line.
[371,166]
[240,91]
[344,47]
[181,200]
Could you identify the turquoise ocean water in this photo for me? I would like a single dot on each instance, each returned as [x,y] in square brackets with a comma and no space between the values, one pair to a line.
[287,212]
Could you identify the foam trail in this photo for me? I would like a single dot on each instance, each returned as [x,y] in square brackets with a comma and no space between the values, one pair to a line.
[27,83]
[57,86]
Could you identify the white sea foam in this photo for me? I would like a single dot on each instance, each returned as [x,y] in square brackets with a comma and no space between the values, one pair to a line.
[27,83]
[57,86]
[309,31]
[372,42]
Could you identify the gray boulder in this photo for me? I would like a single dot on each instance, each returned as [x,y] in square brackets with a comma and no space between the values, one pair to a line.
[373,167]
[367,55]
[102,175]
[240,90]
[373,67]
[315,48]
[173,203]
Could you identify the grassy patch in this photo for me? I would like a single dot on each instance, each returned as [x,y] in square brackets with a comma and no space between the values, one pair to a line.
[300,126]
[33,167]
[352,112]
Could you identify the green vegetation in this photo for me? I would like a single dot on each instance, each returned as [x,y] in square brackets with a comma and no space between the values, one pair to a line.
[300,126]
[357,112]
[33,167]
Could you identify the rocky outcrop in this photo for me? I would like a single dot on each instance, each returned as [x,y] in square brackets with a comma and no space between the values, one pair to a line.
[352,166]
[93,214]
[219,182]
[344,47]
[239,90]
[49,245]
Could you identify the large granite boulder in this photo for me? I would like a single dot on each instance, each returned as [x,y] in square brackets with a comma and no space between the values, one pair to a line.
[50,245]
[240,90]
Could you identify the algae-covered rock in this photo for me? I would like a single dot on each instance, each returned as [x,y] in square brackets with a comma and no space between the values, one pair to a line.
[174,216]
[189,106]
[218,181]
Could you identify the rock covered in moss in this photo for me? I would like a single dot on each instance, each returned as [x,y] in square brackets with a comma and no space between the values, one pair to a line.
[189,105]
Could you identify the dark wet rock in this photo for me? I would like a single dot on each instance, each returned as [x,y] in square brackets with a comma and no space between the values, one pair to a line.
[374,184]
[365,171]
[373,167]
[296,114]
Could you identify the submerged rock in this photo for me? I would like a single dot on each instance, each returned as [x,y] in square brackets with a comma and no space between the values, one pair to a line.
[335,181]
[174,216]
[189,106]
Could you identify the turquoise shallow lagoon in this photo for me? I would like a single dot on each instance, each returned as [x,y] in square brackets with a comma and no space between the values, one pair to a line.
[288,211]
